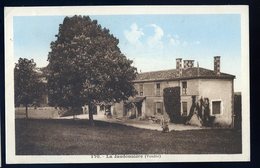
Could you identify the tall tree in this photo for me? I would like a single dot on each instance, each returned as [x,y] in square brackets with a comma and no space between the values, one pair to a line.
[87,67]
[25,83]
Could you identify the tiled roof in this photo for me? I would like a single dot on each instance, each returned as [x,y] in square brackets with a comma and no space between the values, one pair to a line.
[188,73]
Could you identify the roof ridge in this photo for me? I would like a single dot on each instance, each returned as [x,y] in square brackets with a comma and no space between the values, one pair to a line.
[157,71]
[187,73]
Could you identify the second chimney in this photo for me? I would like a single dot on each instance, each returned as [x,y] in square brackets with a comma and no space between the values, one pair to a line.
[217,65]
[179,66]
[188,64]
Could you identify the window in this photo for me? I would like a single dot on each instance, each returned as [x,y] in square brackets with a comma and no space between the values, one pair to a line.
[158,87]
[141,89]
[184,108]
[184,87]
[158,108]
[216,107]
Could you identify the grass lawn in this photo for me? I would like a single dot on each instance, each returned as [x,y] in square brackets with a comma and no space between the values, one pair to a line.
[65,137]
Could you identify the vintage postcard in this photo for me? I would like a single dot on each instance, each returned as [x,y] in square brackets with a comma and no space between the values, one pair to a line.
[121,84]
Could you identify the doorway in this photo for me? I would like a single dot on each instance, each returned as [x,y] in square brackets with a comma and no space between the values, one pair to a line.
[138,106]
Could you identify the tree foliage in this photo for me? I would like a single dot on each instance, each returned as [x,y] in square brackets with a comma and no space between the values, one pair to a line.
[86,65]
[26,83]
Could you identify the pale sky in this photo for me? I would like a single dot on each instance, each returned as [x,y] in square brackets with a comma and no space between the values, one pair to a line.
[152,41]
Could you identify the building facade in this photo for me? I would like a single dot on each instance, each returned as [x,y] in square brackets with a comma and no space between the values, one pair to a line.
[195,84]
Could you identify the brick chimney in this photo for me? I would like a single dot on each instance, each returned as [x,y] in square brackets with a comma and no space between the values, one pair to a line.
[179,66]
[188,64]
[217,65]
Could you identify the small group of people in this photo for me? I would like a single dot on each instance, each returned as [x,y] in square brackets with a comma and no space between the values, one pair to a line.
[199,112]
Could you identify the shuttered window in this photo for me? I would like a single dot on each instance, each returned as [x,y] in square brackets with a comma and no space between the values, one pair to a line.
[158,108]
[184,87]
[216,107]
[158,88]
[184,108]
[141,89]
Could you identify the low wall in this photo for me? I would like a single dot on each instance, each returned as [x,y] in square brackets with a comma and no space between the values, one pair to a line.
[39,112]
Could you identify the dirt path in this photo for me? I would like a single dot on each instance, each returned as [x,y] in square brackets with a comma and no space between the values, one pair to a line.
[137,123]
[51,113]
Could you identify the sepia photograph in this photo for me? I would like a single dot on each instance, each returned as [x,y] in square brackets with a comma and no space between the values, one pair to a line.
[109,84]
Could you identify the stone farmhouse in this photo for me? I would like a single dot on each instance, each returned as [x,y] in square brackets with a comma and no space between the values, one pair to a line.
[194,82]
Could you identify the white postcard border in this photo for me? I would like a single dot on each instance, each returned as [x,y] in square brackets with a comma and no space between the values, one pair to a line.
[10,12]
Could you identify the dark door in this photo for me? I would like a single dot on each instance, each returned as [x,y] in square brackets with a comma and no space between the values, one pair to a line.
[139,108]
